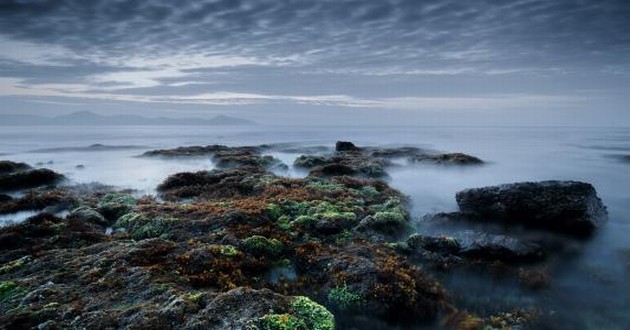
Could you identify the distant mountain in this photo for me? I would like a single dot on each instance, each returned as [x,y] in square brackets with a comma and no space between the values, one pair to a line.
[87,118]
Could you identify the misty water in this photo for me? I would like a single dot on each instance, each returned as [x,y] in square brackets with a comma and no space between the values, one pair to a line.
[589,288]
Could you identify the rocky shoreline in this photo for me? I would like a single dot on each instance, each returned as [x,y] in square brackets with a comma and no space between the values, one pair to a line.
[240,247]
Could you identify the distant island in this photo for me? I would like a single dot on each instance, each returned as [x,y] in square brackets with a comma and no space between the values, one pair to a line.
[88,118]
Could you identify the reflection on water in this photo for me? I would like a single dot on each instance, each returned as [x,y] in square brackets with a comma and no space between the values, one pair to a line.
[589,290]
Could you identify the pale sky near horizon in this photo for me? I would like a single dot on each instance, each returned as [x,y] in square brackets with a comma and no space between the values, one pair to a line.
[484,62]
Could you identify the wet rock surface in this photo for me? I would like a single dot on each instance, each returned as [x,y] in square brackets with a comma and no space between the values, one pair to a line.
[241,247]
[568,207]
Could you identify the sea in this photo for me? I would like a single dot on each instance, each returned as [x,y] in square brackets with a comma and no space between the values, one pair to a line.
[589,290]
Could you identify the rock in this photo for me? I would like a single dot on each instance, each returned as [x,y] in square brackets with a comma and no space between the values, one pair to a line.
[80,167]
[345,146]
[212,184]
[7,167]
[332,170]
[477,245]
[438,244]
[193,151]
[115,205]
[46,232]
[401,152]
[447,159]
[568,207]
[384,284]
[240,308]
[29,179]
[223,156]
[39,199]
[309,161]
[88,215]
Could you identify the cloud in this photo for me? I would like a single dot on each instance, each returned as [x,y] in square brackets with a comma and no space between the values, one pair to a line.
[487,102]
[385,54]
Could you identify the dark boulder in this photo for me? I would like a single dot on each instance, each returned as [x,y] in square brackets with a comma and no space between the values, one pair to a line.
[29,179]
[7,167]
[345,146]
[477,245]
[568,207]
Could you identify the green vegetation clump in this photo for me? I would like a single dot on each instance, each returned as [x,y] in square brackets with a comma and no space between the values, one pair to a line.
[305,315]
[314,315]
[304,220]
[309,161]
[323,207]
[140,227]
[228,250]
[115,205]
[282,322]
[10,290]
[284,222]
[336,216]
[388,221]
[15,264]
[344,299]
[121,199]
[325,186]
[373,170]
[369,192]
[262,246]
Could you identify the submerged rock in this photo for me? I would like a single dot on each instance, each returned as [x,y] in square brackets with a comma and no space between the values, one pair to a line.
[29,179]
[477,246]
[447,159]
[568,207]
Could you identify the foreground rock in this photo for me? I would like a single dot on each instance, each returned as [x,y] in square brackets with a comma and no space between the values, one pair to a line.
[567,207]
[231,248]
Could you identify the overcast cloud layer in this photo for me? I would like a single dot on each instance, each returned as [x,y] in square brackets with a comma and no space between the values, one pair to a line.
[315,61]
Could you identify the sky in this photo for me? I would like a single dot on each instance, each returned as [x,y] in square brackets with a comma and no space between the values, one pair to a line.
[342,62]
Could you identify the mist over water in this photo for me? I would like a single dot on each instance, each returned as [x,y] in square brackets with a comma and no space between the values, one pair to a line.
[593,282]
